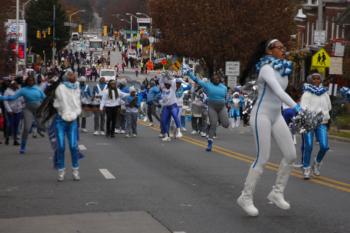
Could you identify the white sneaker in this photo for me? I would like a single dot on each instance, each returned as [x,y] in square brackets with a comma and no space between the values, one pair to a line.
[194,132]
[102,133]
[117,131]
[247,205]
[122,131]
[127,135]
[179,134]
[166,139]
[76,175]
[307,173]
[183,129]
[316,169]
[203,134]
[150,125]
[161,135]
[134,135]
[60,175]
[96,133]
[145,119]
[277,198]
[84,130]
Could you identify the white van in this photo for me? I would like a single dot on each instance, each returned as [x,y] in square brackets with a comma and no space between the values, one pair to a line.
[108,74]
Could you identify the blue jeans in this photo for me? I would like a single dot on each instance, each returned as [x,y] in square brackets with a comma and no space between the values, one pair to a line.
[70,129]
[308,138]
[14,120]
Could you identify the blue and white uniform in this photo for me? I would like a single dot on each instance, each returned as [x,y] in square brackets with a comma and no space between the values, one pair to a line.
[33,97]
[216,105]
[68,105]
[169,105]
[315,99]
[235,103]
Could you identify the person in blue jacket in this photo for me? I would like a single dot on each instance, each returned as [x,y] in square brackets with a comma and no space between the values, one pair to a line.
[153,96]
[216,92]
[33,97]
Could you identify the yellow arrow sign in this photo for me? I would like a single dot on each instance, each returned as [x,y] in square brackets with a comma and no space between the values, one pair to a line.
[321,59]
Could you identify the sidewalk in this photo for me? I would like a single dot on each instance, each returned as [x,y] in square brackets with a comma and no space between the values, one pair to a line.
[124,222]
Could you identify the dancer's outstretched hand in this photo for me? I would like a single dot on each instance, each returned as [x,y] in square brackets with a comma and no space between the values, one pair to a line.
[186,69]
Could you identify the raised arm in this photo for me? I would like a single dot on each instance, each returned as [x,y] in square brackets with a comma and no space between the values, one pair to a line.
[197,80]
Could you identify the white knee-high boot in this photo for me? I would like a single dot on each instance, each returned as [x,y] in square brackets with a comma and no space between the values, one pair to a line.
[238,121]
[276,195]
[245,200]
[232,123]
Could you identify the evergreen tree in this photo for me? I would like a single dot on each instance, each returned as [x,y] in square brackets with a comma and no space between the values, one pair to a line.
[39,17]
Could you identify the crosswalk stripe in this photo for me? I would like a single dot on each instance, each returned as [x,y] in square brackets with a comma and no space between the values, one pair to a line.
[107,174]
[82,147]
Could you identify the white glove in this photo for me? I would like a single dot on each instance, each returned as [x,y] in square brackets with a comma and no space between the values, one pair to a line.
[186,69]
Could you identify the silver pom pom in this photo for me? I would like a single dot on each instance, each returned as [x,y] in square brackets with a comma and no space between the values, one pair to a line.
[306,121]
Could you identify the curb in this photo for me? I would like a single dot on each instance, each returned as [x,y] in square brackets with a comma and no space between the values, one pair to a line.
[339,138]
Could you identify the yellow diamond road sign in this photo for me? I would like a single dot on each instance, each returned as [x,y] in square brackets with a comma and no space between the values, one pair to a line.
[321,59]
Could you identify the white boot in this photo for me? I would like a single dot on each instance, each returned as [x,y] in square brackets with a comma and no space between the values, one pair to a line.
[238,122]
[60,175]
[276,195]
[75,173]
[179,134]
[316,167]
[245,200]
[232,123]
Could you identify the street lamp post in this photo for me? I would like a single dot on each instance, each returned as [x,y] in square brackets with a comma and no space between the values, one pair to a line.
[130,22]
[24,8]
[70,18]
[131,15]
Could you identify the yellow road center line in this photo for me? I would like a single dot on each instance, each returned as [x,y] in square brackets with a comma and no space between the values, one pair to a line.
[325,181]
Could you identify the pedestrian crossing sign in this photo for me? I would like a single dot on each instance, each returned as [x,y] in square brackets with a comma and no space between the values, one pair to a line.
[321,59]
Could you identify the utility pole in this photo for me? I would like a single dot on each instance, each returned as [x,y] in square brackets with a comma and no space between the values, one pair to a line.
[131,34]
[53,36]
[320,15]
[17,33]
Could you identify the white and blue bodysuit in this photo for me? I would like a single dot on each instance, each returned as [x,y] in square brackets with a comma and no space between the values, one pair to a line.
[267,120]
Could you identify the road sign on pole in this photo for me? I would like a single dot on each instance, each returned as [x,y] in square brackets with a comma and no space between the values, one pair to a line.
[231,81]
[320,37]
[232,68]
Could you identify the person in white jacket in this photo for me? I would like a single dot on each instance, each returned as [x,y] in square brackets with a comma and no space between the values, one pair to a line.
[111,103]
[68,105]
[315,99]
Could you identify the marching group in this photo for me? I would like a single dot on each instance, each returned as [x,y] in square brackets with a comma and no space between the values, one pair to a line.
[170,97]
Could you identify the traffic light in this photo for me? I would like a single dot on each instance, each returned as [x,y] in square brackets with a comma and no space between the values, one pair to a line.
[80,28]
[38,34]
[49,31]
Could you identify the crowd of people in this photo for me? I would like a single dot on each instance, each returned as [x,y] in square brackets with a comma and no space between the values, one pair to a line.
[68,98]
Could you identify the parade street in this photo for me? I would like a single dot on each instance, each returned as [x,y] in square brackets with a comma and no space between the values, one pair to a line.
[178,184]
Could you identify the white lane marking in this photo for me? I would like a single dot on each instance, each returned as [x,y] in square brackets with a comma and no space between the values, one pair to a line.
[82,147]
[107,174]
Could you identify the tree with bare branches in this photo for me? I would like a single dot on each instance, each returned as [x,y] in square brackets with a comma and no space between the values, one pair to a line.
[220,30]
